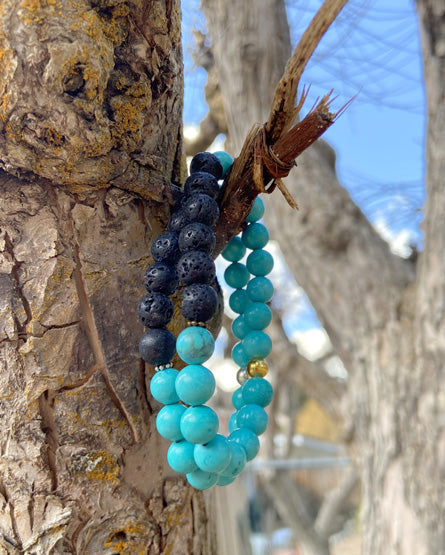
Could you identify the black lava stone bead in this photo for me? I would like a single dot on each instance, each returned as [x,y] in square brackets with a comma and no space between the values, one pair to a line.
[196,236]
[195,267]
[201,208]
[161,278]
[155,310]
[165,247]
[206,162]
[178,220]
[201,182]
[199,302]
[157,346]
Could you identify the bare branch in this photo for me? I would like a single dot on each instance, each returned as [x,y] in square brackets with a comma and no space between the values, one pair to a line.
[310,376]
[215,121]
[289,504]
[333,502]
[283,111]
[269,151]
[208,131]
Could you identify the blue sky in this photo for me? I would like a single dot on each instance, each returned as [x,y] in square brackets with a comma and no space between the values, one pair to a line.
[372,52]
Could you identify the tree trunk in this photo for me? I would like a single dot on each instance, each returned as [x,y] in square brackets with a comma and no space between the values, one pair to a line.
[384,322]
[90,116]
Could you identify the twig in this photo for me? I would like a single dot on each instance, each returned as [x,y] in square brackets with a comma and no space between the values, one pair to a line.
[269,151]
[283,111]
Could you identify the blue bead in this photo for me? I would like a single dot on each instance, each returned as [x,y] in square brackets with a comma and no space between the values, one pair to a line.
[257,391]
[195,345]
[162,386]
[225,160]
[260,289]
[255,236]
[253,417]
[168,421]
[239,327]
[259,262]
[257,344]
[233,425]
[257,316]
[247,440]
[199,424]
[239,355]
[238,399]
[180,457]
[224,480]
[195,384]
[214,456]
[200,479]
[237,461]
[257,211]
[235,250]
[236,275]
[239,300]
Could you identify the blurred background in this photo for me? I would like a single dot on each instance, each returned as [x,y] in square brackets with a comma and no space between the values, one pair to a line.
[304,473]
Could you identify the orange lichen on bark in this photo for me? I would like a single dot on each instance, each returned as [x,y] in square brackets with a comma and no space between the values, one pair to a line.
[102,466]
[130,538]
[32,11]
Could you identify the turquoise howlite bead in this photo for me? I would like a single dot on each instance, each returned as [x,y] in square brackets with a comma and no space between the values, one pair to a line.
[235,250]
[257,391]
[253,417]
[195,384]
[232,424]
[180,457]
[239,354]
[237,398]
[259,262]
[225,160]
[168,421]
[257,211]
[247,440]
[257,344]
[237,461]
[260,289]
[200,479]
[239,327]
[236,275]
[195,345]
[215,455]
[257,316]
[199,424]
[224,480]
[162,386]
[255,236]
[239,300]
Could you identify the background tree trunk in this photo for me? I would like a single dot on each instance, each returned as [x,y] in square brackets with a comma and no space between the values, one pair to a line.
[90,117]
[383,314]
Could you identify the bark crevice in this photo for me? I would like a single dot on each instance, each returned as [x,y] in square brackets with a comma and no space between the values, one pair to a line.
[49,427]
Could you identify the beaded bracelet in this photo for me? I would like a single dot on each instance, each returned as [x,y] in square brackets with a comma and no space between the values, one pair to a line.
[183,255]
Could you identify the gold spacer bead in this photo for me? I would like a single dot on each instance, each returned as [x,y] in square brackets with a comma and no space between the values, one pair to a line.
[257,368]
[198,324]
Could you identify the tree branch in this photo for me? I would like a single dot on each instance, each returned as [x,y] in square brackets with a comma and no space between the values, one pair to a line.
[287,500]
[269,151]
[353,280]
[333,502]
[208,131]
[310,376]
[215,121]
[283,111]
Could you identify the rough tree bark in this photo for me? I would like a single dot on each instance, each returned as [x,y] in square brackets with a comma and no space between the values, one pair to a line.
[90,139]
[384,315]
